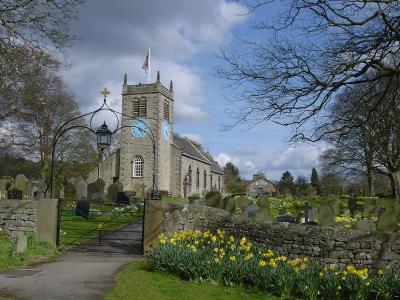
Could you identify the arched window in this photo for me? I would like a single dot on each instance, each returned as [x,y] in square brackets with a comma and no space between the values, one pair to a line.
[197,180]
[166,111]
[190,178]
[137,167]
[205,180]
[219,183]
[211,182]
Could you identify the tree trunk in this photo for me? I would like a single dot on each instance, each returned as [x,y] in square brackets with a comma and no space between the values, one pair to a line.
[395,183]
[370,180]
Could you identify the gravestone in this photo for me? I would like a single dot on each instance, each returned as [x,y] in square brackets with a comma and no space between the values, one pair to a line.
[69,191]
[326,216]
[264,213]
[366,226]
[21,183]
[122,198]
[335,206]
[251,211]
[3,183]
[228,204]
[113,190]
[82,209]
[306,209]
[352,205]
[22,244]
[95,191]
[286,218]
[313,214]
[81,188]
[387,221]
[14,194]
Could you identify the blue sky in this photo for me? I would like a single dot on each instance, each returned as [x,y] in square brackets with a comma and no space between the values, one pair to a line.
[113,38]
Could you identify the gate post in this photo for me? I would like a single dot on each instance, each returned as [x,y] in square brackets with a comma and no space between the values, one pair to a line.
[59,211]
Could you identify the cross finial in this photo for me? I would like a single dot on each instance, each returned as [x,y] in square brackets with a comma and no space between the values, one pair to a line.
[105,92]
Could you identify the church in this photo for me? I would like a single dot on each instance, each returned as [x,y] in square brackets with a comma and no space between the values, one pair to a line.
[182,167]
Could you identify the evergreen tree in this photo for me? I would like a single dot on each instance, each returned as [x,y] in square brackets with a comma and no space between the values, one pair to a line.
[233,183]
[286,184]
[315,180]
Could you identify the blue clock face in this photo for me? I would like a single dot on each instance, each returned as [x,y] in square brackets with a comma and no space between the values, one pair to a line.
[165,130]
[139,128]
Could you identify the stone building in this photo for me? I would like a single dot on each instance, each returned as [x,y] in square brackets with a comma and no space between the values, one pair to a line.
[260,185]
[182,167]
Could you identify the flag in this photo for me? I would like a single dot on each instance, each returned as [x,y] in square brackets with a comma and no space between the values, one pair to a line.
[146,63]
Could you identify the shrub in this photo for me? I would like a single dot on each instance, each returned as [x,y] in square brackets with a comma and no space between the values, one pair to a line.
[213,199]
[200,256]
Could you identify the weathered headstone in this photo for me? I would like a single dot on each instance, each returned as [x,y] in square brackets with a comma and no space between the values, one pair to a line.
[14,194]
[366,226]
[286,218]
[335,206]
[69,191]
[387,221]
[264,213]
[251,211]
[21,183]
[113,190]
[22,244]
[313,214]
[326,216]
[122,198]
[282,211]
[95,191]
[81,188]
[306,209]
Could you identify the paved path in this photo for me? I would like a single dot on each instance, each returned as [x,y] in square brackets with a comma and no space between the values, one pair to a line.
[82,273]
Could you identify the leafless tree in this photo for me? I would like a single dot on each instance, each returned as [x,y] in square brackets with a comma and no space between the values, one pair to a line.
[32,33]
[47,104]
[316,49]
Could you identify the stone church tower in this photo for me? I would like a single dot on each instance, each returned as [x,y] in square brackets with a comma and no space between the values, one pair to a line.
[148,115]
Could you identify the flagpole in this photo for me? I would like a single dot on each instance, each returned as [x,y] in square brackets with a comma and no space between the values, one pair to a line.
[148,75]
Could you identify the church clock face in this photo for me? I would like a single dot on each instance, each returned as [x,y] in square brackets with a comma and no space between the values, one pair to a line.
[139,128]
[165,130]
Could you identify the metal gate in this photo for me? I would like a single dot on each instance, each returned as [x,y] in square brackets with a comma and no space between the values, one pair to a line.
[94,227]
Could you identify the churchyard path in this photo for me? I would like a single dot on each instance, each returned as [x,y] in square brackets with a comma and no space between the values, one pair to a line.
[86,272]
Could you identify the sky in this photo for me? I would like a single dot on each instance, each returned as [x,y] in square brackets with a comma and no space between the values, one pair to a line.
[113,38]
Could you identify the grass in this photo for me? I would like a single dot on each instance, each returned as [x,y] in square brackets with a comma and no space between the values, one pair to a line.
[138,281]
[172,199]
[76,230]
[37,251]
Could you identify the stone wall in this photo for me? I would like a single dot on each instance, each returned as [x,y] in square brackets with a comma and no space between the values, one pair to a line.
[39,217]
[17,216]
[327,245]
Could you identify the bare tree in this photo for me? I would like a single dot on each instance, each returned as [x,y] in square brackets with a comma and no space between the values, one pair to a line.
[47,104]
[32,32]
[317,48]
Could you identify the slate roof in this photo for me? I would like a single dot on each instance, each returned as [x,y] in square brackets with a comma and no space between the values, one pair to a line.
[191,150]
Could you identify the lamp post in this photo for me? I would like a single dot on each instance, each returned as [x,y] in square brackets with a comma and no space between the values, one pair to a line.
[103,138]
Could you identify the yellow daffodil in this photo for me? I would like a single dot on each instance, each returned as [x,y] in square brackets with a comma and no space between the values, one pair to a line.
[232,258]
[261,263]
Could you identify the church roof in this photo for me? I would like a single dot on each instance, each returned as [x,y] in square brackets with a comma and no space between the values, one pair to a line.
[190,149]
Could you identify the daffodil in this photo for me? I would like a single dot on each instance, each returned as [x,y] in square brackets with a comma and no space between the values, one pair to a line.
[232,258]
[261,263]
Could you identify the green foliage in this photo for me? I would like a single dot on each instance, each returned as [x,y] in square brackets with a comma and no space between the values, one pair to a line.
[315,179]
[286,184]
[232,181]
[37,250]
[201,256]
[194,197]
[213,199]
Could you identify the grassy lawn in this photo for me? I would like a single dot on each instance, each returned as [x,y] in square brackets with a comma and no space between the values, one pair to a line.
[37,251]
[172,199]
[138,281]
[76,230]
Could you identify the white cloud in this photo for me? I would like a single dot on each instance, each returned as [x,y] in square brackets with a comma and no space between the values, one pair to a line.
[193,136]
[246,167]
[113,40]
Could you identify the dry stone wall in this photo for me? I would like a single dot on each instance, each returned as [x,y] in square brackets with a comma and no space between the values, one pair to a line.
[374,250]
[18,216]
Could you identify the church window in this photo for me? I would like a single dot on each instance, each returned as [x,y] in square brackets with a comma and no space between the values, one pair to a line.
[190,178]
[205,180]
[197,180]
[211,181]
[137,167]
[166,111]
[139,107]
[219,183]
